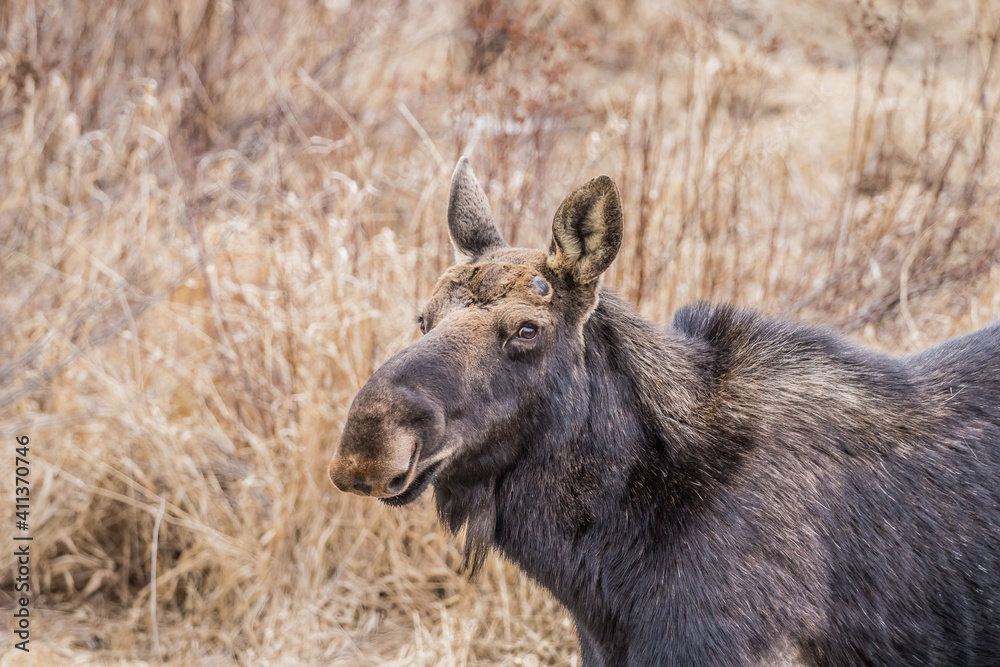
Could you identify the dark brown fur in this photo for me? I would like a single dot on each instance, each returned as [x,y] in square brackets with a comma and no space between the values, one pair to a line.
[733,490]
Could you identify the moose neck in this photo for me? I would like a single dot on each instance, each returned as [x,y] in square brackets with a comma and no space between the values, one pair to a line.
[582,473]
[669,375]
[582,492]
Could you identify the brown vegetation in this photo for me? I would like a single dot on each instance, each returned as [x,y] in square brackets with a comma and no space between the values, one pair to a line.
[216,219]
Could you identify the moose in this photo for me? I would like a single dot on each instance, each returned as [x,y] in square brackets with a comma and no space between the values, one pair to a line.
[733,489]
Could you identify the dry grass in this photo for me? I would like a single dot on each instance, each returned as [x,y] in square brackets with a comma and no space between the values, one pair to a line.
[217,218]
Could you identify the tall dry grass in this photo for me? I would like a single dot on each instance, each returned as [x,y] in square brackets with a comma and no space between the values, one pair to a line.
[218,218]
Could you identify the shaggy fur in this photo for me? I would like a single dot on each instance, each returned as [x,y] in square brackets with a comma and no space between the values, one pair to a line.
[733,490]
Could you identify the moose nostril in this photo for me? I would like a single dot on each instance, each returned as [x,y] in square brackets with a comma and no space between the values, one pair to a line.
[363,487]
[397,483]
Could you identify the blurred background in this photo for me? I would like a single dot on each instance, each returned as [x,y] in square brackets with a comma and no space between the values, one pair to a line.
[218,217]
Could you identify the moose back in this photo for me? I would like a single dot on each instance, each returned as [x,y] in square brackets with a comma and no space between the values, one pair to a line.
[733,490]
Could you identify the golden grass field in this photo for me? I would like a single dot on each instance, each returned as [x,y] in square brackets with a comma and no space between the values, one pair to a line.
[218,217]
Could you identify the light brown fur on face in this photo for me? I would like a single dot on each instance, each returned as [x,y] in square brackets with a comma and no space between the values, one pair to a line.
[505,290]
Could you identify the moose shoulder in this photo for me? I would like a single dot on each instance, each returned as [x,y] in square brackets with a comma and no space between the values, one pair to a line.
[733,490]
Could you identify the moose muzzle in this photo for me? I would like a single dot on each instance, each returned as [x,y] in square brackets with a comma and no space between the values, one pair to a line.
[380,476]
[390,434]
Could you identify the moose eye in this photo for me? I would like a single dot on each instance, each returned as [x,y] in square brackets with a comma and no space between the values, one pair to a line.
[527,332]
[525,343]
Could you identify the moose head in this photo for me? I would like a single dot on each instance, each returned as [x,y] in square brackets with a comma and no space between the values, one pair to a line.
[502,348]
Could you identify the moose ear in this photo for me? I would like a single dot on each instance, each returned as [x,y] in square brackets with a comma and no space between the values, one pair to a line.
[470,223]
[587,231]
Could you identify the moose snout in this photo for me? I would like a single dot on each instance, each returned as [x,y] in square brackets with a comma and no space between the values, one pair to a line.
[394,428]
[380,466]
[352,476]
